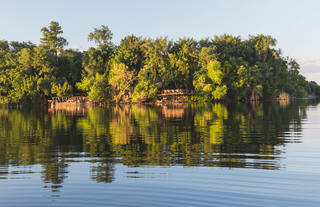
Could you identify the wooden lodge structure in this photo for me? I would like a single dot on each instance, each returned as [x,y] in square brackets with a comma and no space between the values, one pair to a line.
[71,105]
[174,95]
[73,99]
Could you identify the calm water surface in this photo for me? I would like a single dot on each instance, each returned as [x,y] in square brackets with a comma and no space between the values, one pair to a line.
[182,155]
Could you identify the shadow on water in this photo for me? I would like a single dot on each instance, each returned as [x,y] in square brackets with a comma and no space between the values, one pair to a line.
[216,135]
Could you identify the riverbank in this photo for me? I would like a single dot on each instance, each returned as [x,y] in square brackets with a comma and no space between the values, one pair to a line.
[167,97]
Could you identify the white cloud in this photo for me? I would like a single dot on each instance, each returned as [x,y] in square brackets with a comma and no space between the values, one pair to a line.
[309,65]
[313,77]
[310,68]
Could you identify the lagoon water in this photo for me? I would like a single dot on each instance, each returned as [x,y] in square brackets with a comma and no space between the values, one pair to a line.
[182,155]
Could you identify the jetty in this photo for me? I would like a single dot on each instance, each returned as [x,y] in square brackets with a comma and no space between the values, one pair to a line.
[174,95]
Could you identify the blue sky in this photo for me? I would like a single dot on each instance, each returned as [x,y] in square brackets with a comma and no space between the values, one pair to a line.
[294,23]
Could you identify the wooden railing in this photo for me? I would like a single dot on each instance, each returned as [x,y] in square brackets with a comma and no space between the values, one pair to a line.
[73,99]
[175,92]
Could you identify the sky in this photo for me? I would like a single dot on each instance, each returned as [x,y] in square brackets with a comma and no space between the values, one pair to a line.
[294,23]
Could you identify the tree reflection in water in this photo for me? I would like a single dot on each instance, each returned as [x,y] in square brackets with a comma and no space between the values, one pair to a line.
[233,135]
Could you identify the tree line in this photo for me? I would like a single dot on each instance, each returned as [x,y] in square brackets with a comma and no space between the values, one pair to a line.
[136,70]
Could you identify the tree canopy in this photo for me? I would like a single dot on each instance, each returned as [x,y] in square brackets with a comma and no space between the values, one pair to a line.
[218,68]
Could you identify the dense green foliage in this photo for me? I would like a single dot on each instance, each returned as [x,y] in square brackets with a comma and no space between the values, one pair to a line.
[136,70]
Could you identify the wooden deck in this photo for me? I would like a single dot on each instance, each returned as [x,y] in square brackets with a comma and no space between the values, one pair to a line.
[174,92]
[73,99]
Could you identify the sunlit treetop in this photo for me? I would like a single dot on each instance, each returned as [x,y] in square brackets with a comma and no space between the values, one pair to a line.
[51,36]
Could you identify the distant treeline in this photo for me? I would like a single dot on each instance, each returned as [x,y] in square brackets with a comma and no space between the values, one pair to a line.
[225,67]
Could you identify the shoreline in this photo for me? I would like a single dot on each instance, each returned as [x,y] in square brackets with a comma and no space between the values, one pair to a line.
[86,102]
[173,102]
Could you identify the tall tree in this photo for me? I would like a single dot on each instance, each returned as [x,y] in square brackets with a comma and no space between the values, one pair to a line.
[102,36]
[95,60]
[51,37]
